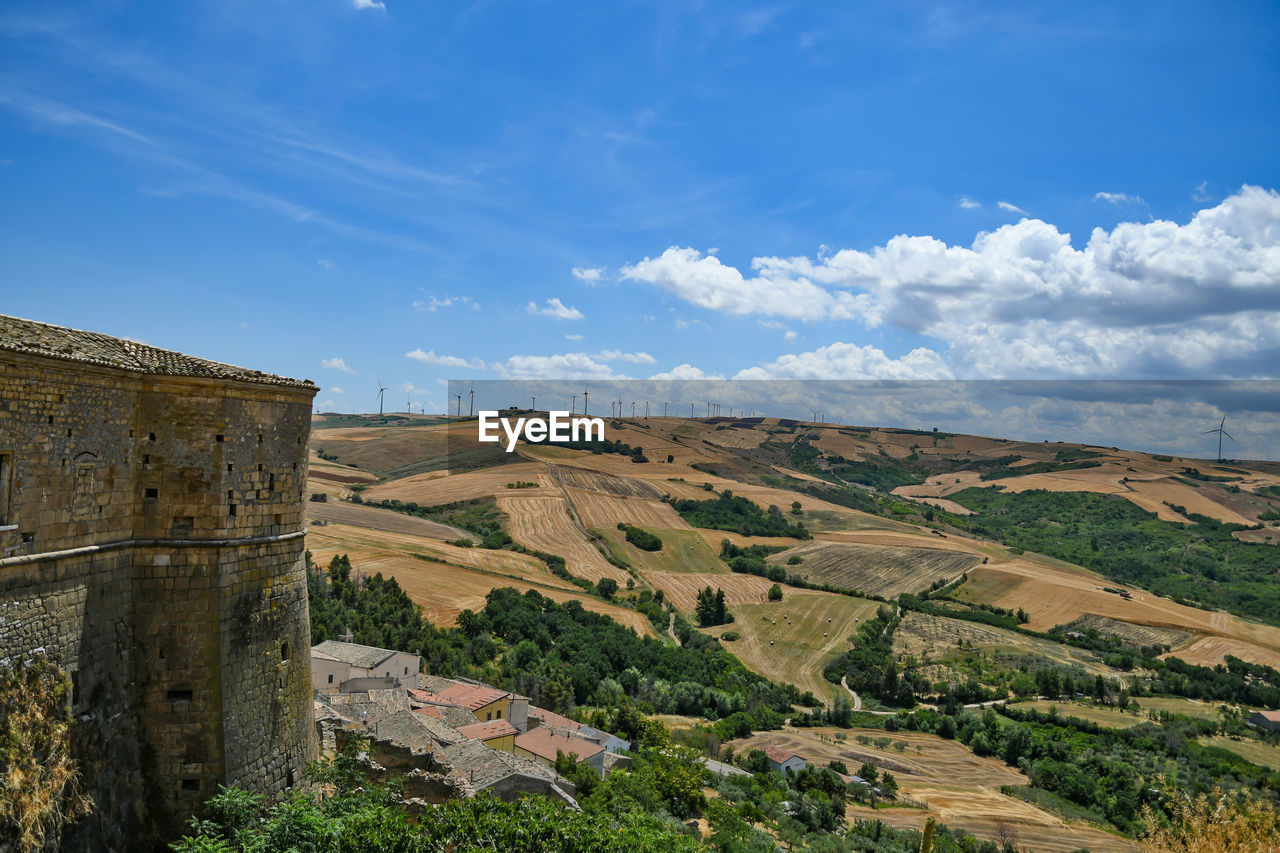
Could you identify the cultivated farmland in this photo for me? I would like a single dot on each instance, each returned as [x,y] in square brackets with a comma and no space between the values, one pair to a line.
[544,524]
[886,571]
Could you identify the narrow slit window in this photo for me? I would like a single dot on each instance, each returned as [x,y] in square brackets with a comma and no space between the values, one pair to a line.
[176,696]
[151,494]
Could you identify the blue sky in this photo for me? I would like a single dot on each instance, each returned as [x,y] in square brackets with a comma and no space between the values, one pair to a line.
[413,191]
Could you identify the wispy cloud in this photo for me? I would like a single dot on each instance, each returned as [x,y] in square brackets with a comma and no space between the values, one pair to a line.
[336,390]
[430,357]
[1201,192]
[1118,198]
[335,364]
[326,264]
[369,4]
[969,203]
[573,337]
[632,357]
[1011,207]
[592,274]
[431,303]
[553,307]
[65,115]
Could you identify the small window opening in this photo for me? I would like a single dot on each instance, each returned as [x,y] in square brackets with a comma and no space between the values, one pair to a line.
[259,466]
[6,475]
[162,653]
[179,696]
[331,678]
[151,436]
[229,467]
[277,519]
[191,784]
[68,433]
[259,438]
[184,522]
[146,459]
[151,494]
[50,418]
[219,438]
[284,652]
[231,509]
[75,689]
[271,483]
[289,779]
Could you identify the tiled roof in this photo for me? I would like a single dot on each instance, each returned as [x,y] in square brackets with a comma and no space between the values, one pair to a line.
[364,657]
[471,696]
[484,766]
[488,730]
[544,743]
[1273,716]
[551,718]
[414,730]
[779,755]
[42,339]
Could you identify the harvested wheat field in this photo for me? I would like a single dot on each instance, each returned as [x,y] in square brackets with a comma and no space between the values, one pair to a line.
[791,640]
[1209,651]
[501,565]
[874,570]
[596,509]
[1055,594]
[435,487]
[681,588]
[445,590]
[682,551]
[960,789]
[573,477]
[544,524]
[1265,754]
[373,518]
[913,537]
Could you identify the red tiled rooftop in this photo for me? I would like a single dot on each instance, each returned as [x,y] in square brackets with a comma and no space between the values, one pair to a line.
[471,696]
[544,743]
[779,755]
[488,730]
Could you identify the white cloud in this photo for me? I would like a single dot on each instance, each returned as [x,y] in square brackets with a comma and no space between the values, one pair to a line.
[326,406]
[430,357]
[632,357]
[335,364]
[790,335]
[685,371]
[1143,299]
[1118,198]
[336,390]
[555,308]
[1011,207]
[592,274]
[708,283]
[573,365]
[850,361]
[369,4]
[431,303]
[682,323]
[326,264]
[573,337]
[969,203]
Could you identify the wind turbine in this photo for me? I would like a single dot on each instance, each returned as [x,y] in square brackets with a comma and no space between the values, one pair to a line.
[573,404]
[459,396]
[533,407]
[633,409]
[382,390]
[473,400]
[664,409]
[585,392]
[1221,432]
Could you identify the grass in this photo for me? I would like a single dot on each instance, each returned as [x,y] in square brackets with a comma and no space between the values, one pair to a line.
[682,551]
[1265,754]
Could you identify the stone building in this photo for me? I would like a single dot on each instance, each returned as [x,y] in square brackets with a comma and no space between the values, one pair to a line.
[151,543]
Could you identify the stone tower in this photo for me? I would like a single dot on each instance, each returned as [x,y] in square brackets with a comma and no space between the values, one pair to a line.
[151,542]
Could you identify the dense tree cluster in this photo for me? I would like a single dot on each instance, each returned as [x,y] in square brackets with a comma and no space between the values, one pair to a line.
[710,608]
[730,512]
[641,538]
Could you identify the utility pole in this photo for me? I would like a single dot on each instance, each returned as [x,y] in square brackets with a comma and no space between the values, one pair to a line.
[533,407]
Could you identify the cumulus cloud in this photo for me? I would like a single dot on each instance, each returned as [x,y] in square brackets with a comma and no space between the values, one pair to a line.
[850,361]
[553,307]
[969,203]
[591,274]
[1011,207]
[430,357]
[336,390]
[708,283]
[1118,198]
[790,335]
[369,4]
[572,365]
[685,371]
[632,357]
[335,364]
[1143,299]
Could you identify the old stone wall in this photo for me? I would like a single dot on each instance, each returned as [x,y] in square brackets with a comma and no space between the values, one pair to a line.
[152,545]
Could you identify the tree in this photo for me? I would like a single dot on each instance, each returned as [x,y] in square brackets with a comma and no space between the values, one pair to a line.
[775,593]
[889,786]
[718,608]
[607,587]
[795,508]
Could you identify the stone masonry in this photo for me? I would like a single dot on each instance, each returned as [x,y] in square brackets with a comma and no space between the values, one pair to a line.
[151,542]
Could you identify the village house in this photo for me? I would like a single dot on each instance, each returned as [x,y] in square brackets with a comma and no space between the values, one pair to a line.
[338,667]
[1268,721]
[495,734]
[783,761]
[542,744]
